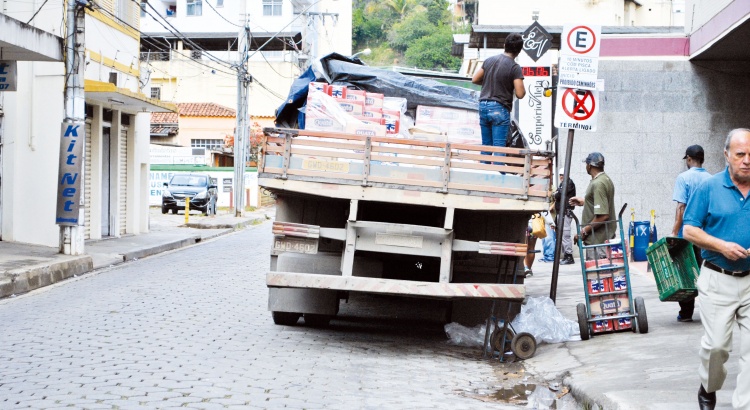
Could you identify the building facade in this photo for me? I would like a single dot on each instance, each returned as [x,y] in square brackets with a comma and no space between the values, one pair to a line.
[117,125]
[664,90]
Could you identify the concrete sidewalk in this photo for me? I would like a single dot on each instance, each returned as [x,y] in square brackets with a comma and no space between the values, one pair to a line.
[26,267]
[625,370]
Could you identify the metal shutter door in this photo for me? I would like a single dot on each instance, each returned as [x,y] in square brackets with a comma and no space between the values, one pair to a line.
[87,183]
[122,180]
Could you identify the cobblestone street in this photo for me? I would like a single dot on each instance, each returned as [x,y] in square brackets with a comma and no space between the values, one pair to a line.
[190,329]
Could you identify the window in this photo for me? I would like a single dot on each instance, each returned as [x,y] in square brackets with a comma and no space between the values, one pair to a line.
[219,3]
[156,93]
[207,143]
[143,9]
[194,7]
[272,7]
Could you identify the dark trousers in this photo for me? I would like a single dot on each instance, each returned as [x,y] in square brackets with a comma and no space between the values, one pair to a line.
[687,306]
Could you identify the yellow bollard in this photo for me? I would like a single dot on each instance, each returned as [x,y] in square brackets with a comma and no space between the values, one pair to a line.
[187,210]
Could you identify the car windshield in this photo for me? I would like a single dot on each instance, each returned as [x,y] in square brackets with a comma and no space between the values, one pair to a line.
[188,180]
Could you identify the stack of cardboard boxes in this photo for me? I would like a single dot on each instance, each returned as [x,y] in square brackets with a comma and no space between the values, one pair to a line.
[605,281]
[378,115]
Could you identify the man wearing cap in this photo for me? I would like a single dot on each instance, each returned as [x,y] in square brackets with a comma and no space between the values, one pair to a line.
[716,220]
[598,218]
[684,187]
[567,243]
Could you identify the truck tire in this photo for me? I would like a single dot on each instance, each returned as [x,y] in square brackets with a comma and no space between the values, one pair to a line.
[285,318]
[314,320]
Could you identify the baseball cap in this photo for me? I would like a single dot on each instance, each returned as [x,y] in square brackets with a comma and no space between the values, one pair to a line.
[695,151]
[562,171]
[595,159]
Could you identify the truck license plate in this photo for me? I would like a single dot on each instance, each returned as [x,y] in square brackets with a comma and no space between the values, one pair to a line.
[297,245]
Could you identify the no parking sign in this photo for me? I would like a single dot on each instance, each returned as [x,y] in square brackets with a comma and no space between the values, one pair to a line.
[577,95]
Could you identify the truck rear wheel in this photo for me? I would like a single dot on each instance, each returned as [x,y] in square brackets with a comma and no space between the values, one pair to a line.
[314,320]
[285,318]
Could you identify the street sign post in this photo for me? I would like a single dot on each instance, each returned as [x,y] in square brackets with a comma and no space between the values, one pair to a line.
[577,105]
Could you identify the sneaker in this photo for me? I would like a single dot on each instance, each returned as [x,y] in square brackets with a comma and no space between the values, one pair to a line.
[684,319]
[527,272]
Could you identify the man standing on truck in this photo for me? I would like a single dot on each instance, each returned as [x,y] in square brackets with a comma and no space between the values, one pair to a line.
[500,76]
[684,187]
[598,218]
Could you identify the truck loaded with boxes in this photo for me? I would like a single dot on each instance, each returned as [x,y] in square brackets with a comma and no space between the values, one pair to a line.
[376,194]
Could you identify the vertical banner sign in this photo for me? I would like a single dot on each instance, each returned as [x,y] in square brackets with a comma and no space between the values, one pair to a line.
[70,178]
[535,110]
[8,75]
[578,102]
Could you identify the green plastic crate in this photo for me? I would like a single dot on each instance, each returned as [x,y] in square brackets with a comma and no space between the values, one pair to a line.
[673,262]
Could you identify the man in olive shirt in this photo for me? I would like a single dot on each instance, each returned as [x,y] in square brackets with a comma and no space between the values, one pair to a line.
[598,219]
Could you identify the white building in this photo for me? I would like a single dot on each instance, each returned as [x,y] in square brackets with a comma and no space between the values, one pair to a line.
[117,122]
[190,47]
[601,12]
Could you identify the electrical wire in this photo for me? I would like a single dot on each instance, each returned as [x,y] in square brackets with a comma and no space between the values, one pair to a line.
[37,11]
[184,38]
[112,15]
[219,14]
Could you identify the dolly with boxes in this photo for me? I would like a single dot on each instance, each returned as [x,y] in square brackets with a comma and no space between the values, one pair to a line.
[609,305]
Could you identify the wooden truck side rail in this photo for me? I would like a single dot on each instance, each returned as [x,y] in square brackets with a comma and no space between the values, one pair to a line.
[440,167]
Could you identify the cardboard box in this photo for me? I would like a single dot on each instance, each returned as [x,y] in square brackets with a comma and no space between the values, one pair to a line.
[368,130]
[609,304]
[430,115]
[337,91]
[374,99]
[373,112]
[323,87]
[355,95]
[391,114]
[602,325]
[323,123]
[392,126]
[373,121]
[596,286]
[623,323]
[355,108]
[619,282]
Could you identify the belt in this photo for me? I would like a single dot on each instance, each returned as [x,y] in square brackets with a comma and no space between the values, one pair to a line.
[739,274]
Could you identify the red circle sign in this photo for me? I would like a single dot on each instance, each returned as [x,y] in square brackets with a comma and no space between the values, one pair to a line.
[586,29]
[583,105]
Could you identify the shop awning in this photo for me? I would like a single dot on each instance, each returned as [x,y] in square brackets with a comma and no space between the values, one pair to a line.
[110,96]
[22,42]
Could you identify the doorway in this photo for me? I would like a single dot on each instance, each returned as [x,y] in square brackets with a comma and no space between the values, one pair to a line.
[106,182]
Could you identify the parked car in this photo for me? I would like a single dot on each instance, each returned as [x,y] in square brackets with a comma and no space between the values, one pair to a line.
[199,187]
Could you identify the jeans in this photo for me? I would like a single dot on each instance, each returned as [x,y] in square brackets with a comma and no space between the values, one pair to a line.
[494,120]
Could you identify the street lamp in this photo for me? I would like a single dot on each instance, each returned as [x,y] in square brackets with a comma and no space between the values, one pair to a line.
[365,52]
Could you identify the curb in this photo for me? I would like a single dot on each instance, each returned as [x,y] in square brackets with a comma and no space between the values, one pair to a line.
[153,250]
[233,225]
[14,282]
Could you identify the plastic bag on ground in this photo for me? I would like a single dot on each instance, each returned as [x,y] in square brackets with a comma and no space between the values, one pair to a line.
[466,336]
[540,317]
[541,399]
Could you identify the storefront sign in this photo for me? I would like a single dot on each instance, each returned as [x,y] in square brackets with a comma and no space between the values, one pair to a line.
[70,177]
[8,75]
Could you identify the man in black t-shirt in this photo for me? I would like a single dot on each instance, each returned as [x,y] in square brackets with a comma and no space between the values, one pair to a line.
[500,77]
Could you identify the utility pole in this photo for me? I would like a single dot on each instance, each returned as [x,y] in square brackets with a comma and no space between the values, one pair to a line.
[70,197]
[242,129]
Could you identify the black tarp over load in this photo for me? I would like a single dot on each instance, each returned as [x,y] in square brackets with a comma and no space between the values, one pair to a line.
[341,70]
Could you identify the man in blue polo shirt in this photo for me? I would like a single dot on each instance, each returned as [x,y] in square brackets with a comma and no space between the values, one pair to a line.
[717,220]
[686,183]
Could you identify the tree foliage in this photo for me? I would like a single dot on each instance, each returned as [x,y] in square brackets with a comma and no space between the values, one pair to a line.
[417,32]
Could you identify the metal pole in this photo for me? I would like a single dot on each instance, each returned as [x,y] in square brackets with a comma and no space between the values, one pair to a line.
[561,216]
[240,134]
[71,237]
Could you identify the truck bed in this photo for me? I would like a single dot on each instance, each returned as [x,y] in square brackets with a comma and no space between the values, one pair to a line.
[350,166]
